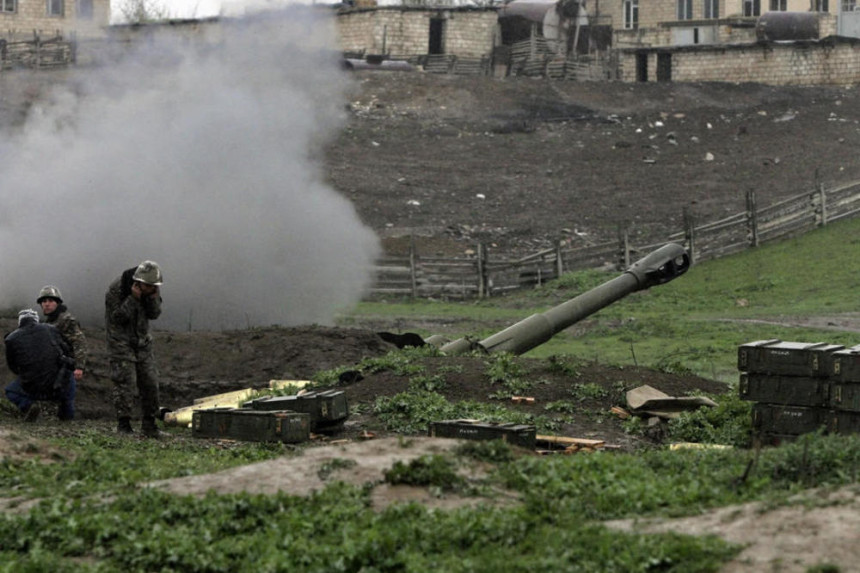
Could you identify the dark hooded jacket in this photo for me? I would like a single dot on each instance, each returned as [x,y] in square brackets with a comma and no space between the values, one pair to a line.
[34,352]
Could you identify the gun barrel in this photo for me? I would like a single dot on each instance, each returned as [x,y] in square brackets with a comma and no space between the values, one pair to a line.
[659,267]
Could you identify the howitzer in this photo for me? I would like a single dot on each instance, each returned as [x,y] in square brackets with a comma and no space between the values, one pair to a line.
[659,267]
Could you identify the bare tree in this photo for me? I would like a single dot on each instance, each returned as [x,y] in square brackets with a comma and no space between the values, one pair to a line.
[143,11]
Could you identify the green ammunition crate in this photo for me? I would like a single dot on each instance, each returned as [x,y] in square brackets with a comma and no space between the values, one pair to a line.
[326,409]
[793,420]
[769,439]
[251,425]
[845,396]
[214,422]
[845,422]
[787,358]
[516,434]
[786,390]
[845,365]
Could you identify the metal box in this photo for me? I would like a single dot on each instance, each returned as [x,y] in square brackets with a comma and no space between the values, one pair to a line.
[845,422]
[793,420]
[516,434]
[845,365]
[786,390]
[251,425]
[786,358]
[326,409]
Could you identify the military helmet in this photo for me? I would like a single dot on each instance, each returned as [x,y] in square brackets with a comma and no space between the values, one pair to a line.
[49,291]
[148,272]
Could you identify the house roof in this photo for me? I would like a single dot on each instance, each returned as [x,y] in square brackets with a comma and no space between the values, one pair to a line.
[533,10]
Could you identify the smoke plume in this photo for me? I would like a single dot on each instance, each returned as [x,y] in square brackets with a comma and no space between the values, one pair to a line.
[204,156]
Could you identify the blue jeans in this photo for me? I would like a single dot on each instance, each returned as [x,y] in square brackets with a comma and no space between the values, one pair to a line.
[66,400]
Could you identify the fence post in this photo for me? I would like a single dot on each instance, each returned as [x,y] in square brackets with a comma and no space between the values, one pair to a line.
[412,265]
[482,277]
[559,260]
[624,244]
[690,233]
[752,219]
[822,205]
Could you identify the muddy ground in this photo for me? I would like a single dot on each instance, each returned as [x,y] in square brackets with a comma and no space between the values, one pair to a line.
[517,164]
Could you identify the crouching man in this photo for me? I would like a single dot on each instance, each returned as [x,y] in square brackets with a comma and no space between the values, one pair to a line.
[39,356]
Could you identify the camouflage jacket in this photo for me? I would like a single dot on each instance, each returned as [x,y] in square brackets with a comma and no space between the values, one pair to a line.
[67,324]
[127,320]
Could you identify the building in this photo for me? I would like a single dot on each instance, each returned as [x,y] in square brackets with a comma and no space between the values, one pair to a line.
[26,19]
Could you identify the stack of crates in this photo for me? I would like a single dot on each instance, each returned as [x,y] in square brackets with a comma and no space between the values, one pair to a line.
[800,387]
[328,409]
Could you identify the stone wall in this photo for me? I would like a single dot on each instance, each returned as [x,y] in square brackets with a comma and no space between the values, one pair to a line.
[31,16]
[406,32]
[833,61]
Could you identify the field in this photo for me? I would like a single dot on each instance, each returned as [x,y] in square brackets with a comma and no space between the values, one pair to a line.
[518,164]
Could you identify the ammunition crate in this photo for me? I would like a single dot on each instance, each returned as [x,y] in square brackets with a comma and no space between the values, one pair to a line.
[326,409]
[251,425]
[844,422]
[845,396]
[786,358]
[790,420]
[770,439]
[845,365]
[788,390]
[515,434]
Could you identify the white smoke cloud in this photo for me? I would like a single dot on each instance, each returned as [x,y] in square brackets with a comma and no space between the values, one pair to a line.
[205,157]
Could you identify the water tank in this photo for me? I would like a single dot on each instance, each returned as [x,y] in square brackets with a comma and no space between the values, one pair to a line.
[780,26]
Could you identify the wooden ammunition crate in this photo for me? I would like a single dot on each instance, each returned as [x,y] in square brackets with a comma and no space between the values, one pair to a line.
[516,434]
[251,425]
[845,396]
[786,358]
[845,365]
[786,390]
[326,409]
[790,420]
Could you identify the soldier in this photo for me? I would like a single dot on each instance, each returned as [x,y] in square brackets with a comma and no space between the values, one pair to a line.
[39,356]
[57,314]
[131,301]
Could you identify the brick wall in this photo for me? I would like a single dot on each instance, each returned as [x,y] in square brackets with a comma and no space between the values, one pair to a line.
[31,15]
[468,33]
[834,61]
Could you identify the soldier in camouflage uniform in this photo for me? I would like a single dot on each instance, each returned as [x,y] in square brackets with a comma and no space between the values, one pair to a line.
[57,314]
[131,301]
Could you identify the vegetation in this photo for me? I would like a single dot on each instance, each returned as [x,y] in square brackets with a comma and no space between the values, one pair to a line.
[84,503]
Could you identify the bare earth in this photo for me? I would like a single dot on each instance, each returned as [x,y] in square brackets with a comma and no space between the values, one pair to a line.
[518,164]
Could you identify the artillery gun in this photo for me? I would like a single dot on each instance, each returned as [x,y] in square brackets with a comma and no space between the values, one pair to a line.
[659,267]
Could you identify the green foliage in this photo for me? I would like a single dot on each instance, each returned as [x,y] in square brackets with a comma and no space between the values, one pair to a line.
[496,451]
[334,465]
[412,412]
[729,423]
[503,368]
[588,391]
[567,365]
[435,383]
[429,470]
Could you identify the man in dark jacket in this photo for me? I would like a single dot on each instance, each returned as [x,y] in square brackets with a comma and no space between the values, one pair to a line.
[39,356]
[131,301]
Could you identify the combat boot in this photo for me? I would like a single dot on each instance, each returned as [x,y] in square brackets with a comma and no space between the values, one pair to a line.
[123,426]
[150,428]
[32,413]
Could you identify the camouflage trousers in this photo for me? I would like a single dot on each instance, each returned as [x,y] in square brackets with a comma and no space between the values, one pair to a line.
[128,377]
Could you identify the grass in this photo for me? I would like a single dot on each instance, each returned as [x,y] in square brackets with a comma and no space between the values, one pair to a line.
[94,512]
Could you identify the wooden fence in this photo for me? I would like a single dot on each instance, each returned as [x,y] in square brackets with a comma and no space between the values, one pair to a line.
[480,275]
[36,53]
